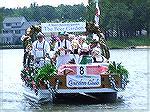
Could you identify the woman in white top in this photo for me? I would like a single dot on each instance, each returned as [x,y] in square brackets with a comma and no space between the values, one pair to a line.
[84,48]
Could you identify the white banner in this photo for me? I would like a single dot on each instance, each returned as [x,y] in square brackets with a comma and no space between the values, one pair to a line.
[83,80]
[61,27]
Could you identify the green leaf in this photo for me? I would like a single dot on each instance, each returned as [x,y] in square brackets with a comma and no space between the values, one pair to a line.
[117,69]
[44,73]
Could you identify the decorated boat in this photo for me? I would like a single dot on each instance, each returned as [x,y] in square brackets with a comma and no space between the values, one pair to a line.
[87,80]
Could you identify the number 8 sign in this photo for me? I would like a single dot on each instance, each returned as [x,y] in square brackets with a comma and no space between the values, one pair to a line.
[81,70]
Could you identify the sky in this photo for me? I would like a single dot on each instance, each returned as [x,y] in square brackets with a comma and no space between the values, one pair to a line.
[54,3]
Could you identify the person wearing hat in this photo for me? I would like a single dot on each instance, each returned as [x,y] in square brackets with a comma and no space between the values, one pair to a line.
[66,35]
[62,50]
[27,46]
[85,57]
[40,47]
[84,48]
[96,51]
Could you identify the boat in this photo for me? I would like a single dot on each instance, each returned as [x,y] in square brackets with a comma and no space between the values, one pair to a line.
[92,81]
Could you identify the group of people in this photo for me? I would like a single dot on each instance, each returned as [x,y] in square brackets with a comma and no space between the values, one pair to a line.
[67,50]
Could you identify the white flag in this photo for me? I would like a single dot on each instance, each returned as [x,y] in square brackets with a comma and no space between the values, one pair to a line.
[95,37]
[97,14]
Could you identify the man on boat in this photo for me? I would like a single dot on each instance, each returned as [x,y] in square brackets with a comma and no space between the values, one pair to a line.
[40,47]
[62,50]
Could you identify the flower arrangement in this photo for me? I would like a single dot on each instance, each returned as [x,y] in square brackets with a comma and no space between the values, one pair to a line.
[44,73]
[27,76]
[117,69]
[33,78]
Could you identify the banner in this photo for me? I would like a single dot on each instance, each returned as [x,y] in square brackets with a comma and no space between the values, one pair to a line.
[83,80]
[61,27]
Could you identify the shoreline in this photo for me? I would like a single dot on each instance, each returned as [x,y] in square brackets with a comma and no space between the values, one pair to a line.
[21,47]
[142,47]
[11,47]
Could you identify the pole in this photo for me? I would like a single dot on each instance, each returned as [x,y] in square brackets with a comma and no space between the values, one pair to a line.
[96,1]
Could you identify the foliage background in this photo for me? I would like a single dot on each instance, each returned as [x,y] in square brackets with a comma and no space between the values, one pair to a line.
[119,19]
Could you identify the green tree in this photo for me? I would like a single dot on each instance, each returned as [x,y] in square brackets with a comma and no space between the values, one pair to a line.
[90,11]
[8,12]
[48,12]
[1,18]
[118,16]
[36,15]
[26,12]
[77,12]
[126,18]
[43,20]
[71,13]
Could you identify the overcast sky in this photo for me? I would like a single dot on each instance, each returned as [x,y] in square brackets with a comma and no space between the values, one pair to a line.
[54,3]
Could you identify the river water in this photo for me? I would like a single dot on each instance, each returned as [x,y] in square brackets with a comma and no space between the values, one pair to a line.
[134,98]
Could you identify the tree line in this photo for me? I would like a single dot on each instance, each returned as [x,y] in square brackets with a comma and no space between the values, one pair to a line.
[119,19]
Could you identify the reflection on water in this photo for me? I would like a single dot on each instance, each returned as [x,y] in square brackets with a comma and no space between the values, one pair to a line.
[134,97]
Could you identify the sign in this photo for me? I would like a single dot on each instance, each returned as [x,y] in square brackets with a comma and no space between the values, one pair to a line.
[89,69]
[83,81]
[81,70]
[61,27]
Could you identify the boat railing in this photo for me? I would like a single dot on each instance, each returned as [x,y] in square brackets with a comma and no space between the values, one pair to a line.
[50,88]
[39,62]
[114,85]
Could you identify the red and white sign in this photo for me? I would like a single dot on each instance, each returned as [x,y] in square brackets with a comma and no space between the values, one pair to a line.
[82,69]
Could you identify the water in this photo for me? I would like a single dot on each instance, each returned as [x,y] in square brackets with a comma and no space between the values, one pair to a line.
[134,98]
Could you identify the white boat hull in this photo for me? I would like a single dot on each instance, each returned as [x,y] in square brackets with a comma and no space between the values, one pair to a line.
[44,95]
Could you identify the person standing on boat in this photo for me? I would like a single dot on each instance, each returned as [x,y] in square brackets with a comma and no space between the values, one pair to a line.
[40,47]
[62,50]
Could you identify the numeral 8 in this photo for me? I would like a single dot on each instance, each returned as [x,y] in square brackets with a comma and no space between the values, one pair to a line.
[81,70]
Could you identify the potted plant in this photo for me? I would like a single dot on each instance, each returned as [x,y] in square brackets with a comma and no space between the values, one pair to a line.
[44,73]
[117,69]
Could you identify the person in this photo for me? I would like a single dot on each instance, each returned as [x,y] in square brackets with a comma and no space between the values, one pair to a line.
[40,47]
[66,34]
[75,45]
[27,46]
[84,49]
[84,58]
[62,50]
[96,51]
[75,49]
